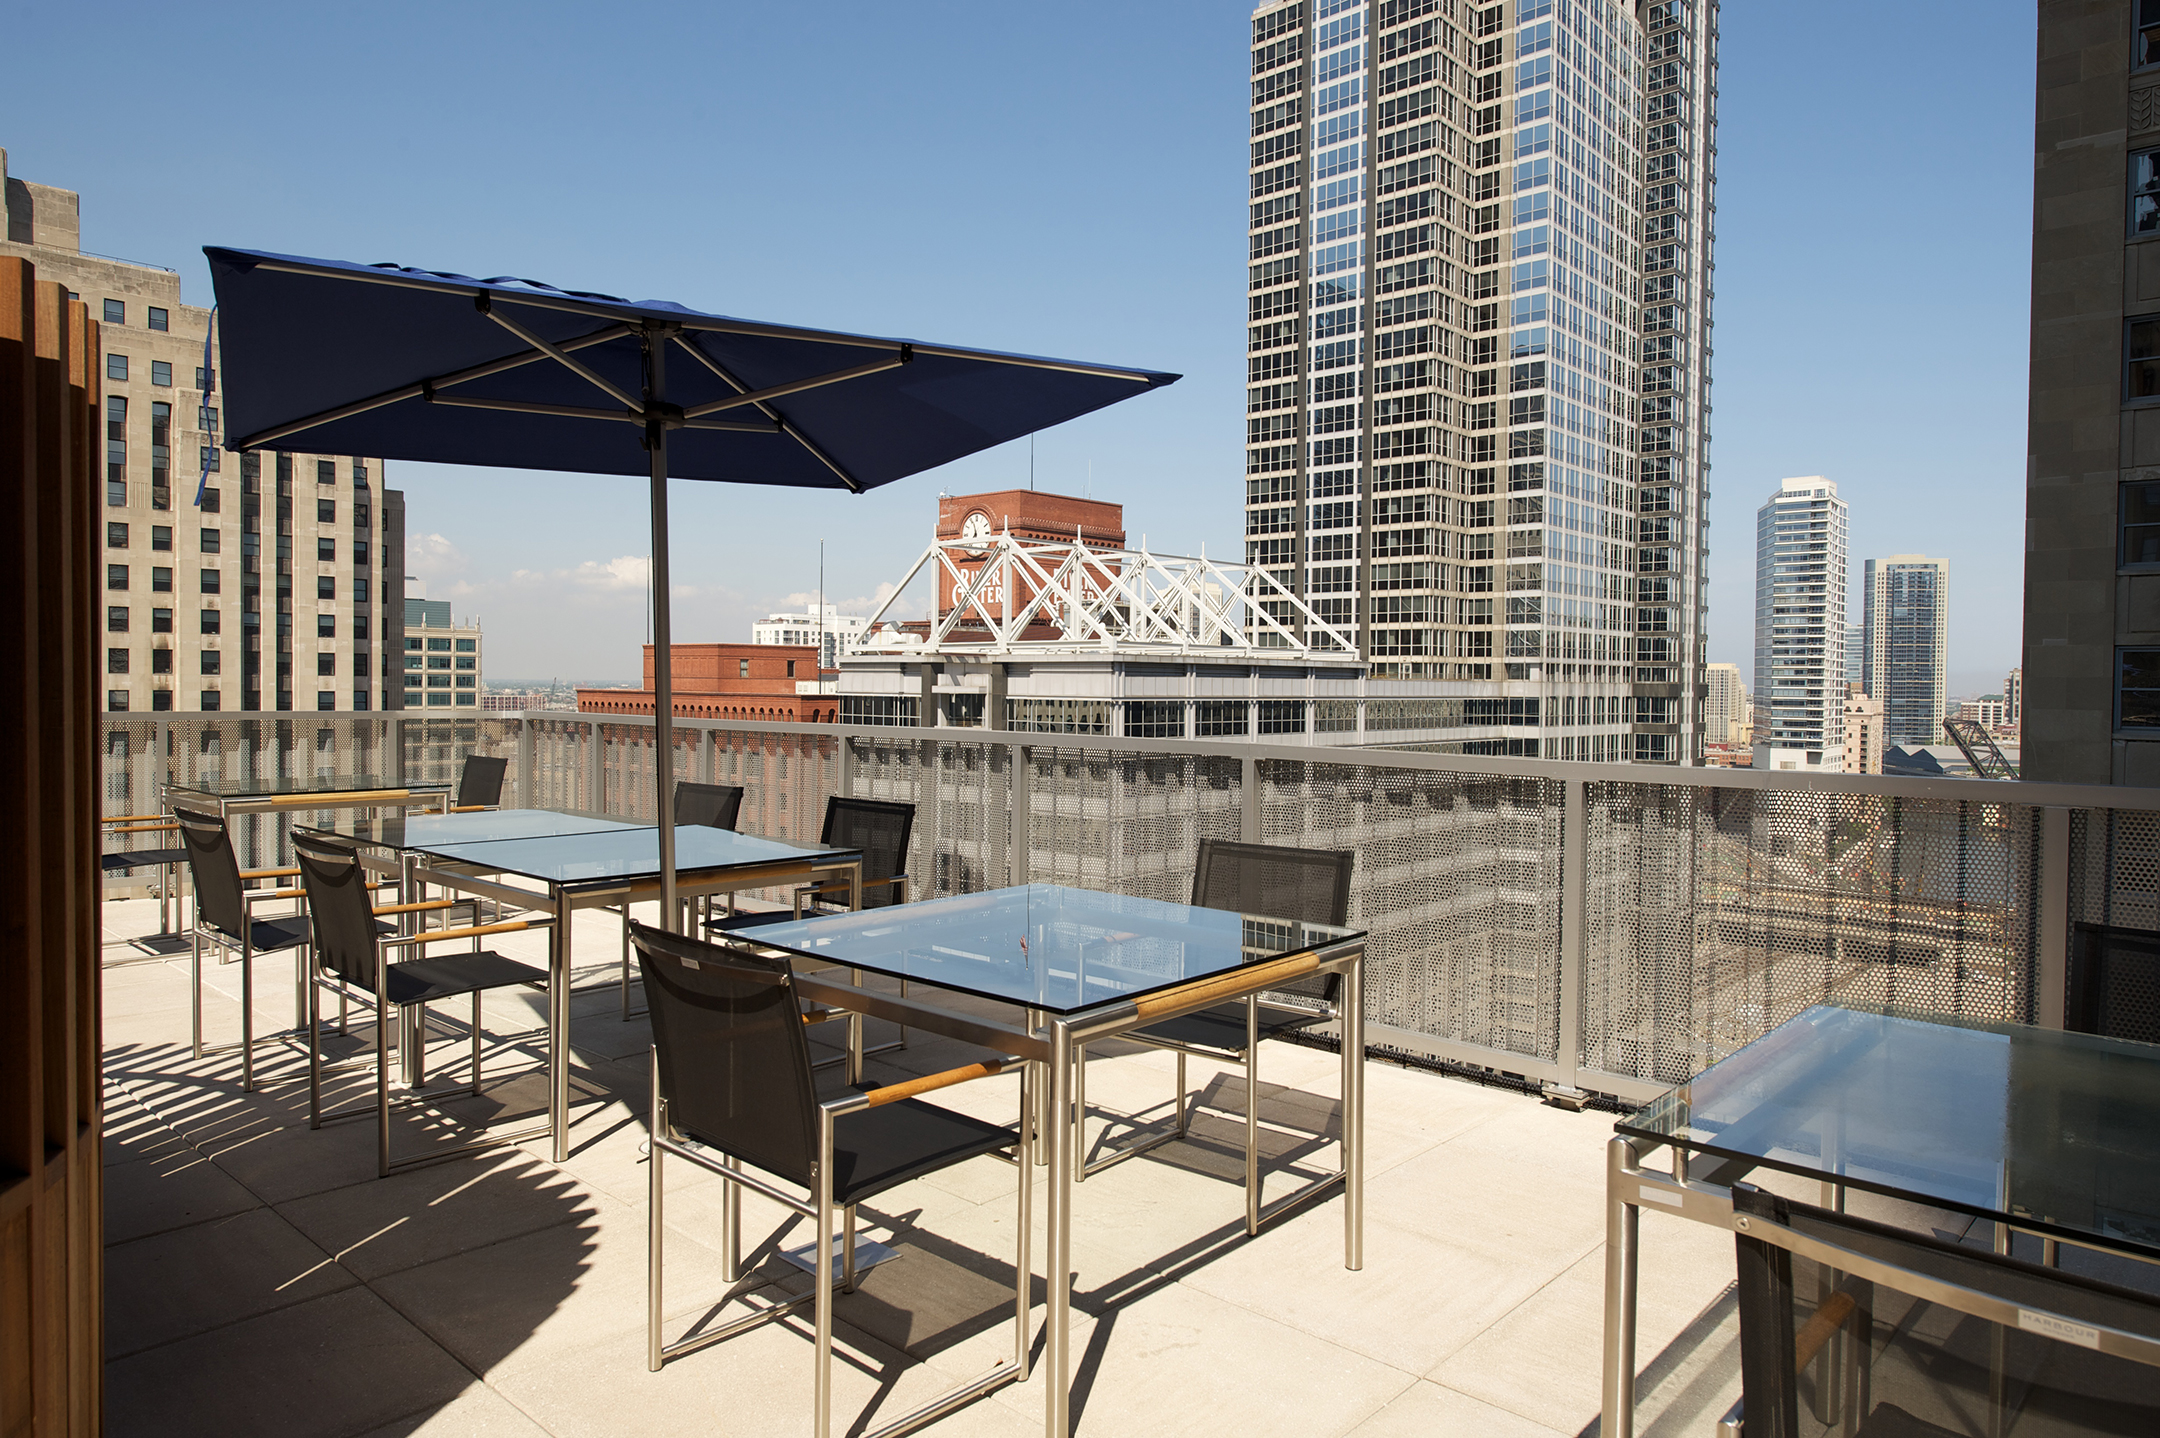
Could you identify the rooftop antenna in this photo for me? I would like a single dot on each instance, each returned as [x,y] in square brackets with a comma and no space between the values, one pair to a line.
[1031,461]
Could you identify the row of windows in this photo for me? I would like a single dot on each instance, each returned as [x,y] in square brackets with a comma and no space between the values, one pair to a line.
[212,701]
[116,314]
[212,661]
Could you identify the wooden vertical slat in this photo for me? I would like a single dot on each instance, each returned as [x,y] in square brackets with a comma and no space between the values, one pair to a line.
[51,1224]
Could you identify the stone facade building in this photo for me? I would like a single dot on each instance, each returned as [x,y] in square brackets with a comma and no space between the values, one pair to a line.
[280,585]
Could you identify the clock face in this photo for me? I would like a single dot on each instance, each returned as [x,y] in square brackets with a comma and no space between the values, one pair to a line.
[976,530]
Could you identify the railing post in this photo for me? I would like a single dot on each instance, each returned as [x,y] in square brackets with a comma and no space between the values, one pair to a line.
[1249,829]
[595,772]
[527,796]
[844,770]
[2053,979]
[1019,861]
[1574,896]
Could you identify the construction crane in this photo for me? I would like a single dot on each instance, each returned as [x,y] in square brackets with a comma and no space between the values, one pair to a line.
[1980,749]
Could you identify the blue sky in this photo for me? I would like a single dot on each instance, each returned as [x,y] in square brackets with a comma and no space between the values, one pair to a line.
[1043,178]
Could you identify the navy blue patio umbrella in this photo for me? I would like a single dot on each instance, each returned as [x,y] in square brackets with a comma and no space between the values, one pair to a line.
[340,358]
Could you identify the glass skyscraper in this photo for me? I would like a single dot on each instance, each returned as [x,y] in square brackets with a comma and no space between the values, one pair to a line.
[1800,547]
[1478,355]
[1907,629]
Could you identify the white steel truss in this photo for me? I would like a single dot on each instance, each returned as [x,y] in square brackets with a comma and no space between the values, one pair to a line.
[1095,599]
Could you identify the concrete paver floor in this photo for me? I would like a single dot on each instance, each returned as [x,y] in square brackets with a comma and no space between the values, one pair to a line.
[262,1280]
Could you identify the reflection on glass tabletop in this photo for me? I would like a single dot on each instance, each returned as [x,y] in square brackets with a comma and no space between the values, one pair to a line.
[1047,947]
[608,855]
[305,784]
[429,831]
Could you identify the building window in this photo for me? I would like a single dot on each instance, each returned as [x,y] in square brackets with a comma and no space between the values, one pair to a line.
[1155,719]
[2147,48]
[161,537]
[326,626]
[438,663]
[1282,716]
[210,701]
[116,367]
[742,670]
[161,373]
[878,709]
[2137,690]
[158,319]
[326,471]
[116,535]
[441,646]
[161,661]
[212,662]
[326,663]
[468,681]
[2143,381]
[2140,523]
[790,666]
[326,699]
[468,646]
[116,619]
[326,551]
[464,663]
[1217,718]
[160,580]
[210,581]
[208,459]
[161,621]
[211,542]
[326,511]
[116,576]
[210,622]
[412,661]
[360,700]
[326,586]
[210,496]
[116,661]
[359,479]
[116,314]
[116,700]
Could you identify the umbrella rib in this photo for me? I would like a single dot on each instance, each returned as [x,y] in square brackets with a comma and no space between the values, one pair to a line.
[786,427]
[415,391]
[758,397]
[562,357]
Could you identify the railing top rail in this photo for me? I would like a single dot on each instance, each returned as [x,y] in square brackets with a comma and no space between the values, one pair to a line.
[1889,786]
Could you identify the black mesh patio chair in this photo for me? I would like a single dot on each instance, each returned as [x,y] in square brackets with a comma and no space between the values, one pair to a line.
[169,860]
[352,959]
[879,828]
[707,806]
[1303,885]
[480,783]
[225,920]
[1852,1326]
[732,1092]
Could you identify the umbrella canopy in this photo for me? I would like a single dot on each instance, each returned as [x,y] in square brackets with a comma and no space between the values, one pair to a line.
[339,358]
[333,357]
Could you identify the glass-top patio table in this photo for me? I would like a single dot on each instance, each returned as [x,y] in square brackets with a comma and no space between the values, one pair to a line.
[582,863]
[1082,967]
[2052,1133]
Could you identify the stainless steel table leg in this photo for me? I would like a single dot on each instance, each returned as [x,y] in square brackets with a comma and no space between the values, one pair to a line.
[1353,1120]
[1622,1222]
[1057,1341]
[559,1028]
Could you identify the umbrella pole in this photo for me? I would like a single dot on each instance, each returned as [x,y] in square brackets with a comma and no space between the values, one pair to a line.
[663,645]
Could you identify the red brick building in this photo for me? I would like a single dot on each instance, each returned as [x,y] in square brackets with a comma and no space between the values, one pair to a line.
[1025,514]
[728,681]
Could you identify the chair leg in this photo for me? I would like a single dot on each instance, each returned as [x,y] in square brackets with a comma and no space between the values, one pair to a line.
[821,1233]
[476,1043]
[655,1225]
[1252,1115]
[314,1049]
[623,983]
[1184,1114]
[847,1250]
[195,1019]
[730,1225]
[247,1007]
[1080,1164]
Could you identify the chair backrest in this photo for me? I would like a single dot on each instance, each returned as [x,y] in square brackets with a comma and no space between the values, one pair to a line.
[712,806]
[214,870]
[734,1063]
[2114,982]
[481,780]
[1924,1365]
[879,828]
[339,910]
[1311,886]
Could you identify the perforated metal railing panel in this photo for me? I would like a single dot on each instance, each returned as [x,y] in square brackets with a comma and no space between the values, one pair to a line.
[1457,882]
[1713,915]
[1710,913]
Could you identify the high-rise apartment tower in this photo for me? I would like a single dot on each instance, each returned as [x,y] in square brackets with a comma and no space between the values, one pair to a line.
[1800,537]
[1478,353]
[1907,630]
[281,585]
[1725,705]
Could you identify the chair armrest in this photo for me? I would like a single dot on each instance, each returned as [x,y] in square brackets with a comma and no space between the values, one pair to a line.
[145,828]
[129,818]
[436,936]
[255,896]
[417,908]
[1834,1311]
[469,808]
[246,874]
[909,1088]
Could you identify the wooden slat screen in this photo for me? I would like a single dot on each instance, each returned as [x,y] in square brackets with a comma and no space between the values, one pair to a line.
[51,1219]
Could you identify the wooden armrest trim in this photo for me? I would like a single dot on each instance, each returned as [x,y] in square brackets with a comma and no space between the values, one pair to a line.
[1834,1311]
[468,808]
[417,908]
[268,873]
[129,818]
[1253,978]
[436,936]
[145,828]
[893,1093]
[254,895]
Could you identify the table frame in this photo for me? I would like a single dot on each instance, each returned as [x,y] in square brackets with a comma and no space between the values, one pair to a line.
[1055,1045]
